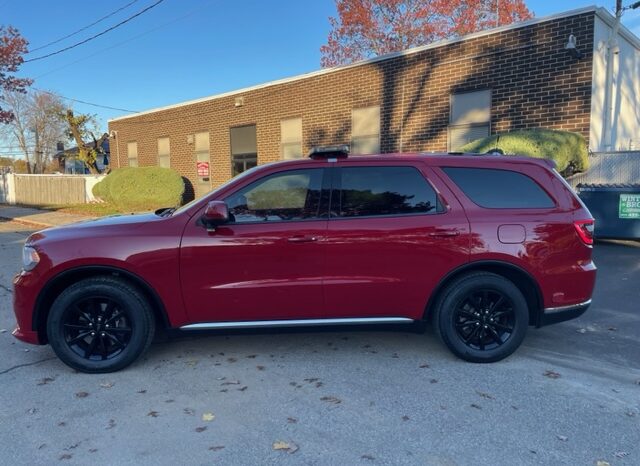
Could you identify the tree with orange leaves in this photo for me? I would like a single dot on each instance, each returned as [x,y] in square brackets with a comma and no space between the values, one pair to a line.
[369,28]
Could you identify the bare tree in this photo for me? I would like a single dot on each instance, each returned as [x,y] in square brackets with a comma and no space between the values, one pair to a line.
[36,127]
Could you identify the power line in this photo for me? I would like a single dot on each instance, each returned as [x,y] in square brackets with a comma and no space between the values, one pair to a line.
[84,28]
[85,102]
[118,44]
[96,35]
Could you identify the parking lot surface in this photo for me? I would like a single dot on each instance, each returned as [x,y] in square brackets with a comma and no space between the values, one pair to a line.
[569,395]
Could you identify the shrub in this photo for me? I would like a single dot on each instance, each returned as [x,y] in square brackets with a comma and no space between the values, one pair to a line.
[567,149]
[143,188]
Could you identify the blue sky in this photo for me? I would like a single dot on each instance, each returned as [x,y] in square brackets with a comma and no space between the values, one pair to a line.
[182,49]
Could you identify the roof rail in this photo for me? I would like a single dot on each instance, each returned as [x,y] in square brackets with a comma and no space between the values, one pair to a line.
[329,152]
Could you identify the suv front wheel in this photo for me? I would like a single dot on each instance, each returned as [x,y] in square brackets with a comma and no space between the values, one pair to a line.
[100,324]
[482,317]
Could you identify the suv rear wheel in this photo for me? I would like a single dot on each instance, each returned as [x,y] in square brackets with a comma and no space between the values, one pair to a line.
[482,317]
[99,325]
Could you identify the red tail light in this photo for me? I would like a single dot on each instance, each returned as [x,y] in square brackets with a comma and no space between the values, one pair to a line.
[584,228]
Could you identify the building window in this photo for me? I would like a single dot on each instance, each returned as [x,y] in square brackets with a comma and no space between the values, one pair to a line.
[244,148]
[291,138]
[365,130]
[469,118]
[132,153]
[164,152]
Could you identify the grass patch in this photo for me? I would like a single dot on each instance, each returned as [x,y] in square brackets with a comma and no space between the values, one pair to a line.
[568,150]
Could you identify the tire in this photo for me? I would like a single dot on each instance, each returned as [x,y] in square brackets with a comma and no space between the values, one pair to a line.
[100,325]
[481,317]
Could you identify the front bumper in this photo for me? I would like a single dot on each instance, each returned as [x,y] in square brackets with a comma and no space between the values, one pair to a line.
[25,290]
[553,315]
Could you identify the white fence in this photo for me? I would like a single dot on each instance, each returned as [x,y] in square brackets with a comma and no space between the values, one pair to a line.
[47,189]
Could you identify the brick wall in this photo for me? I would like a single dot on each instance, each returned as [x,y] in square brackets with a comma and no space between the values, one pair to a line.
[533,82]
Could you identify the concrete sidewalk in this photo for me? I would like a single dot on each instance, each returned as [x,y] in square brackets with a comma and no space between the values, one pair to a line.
[39,218]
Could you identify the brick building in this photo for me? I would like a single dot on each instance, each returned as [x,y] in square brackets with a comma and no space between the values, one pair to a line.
[430,98]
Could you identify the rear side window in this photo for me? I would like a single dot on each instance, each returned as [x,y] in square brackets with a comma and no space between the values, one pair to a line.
[374,191]
[499,189]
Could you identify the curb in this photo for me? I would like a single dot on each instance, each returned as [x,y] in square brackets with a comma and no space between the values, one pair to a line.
[30,223]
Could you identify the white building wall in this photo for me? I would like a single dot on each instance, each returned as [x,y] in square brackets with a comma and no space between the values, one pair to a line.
[625,116]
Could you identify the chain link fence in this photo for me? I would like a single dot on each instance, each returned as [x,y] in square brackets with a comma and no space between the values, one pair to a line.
[621,167]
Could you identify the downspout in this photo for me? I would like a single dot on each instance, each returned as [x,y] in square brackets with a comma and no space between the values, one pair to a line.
[612,50]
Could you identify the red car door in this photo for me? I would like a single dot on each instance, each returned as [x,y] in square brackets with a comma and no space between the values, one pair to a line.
[392,237]
[268,261]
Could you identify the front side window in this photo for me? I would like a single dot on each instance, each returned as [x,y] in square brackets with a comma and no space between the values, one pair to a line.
[286,196]
[499,189]
[374,191]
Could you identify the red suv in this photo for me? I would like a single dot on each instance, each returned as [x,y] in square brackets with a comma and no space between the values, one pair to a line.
[481,246]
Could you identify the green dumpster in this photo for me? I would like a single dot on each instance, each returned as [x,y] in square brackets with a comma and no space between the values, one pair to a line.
[615,207]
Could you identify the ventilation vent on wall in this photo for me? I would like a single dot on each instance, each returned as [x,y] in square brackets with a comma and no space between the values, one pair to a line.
[239,101]
[190,139]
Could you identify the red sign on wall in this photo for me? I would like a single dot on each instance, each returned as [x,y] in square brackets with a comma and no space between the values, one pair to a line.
[203,168]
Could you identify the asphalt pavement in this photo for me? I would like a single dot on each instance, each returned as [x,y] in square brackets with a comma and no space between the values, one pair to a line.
[569,395]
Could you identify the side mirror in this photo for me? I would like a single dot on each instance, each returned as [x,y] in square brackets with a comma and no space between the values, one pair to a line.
[215,214]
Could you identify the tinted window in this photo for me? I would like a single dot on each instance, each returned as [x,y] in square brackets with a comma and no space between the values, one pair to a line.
[384,191]
[291,195]
[499,189]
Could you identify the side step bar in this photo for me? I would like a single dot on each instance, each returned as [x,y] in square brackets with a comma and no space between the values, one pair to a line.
[297,323]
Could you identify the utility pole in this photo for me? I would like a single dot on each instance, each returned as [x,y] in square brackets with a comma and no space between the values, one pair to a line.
[612,50]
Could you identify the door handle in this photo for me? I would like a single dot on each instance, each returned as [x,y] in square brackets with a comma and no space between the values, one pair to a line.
[444,234]
[302,239]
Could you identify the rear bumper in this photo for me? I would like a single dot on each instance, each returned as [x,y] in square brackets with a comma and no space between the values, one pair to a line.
[553,315]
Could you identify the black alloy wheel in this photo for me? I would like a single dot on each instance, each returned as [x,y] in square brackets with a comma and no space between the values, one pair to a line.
[481,317]
[97,328]
[100,324]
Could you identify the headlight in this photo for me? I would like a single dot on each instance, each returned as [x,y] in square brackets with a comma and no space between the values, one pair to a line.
[30,258]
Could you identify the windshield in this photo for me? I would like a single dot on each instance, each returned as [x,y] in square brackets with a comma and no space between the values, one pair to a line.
[222,186]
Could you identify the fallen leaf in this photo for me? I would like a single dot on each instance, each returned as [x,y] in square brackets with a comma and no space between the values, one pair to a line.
[620,454]
[224,390]
[251,356]
[473,405]
[169,400]
[231,382]
[551,374]
[243,388]
[292,420]
[62,424]
[484,395]
[424,366]
[201,429]
[42,446]
[405,418]
[562,438]
[433,381]
[289,447]
[319,384]
[189,411]
[208,417]
[311,380]
[82,395]
[111,424]
[93,450]
[612,329]
[142,391]
[582,330]
[191,363]
[368,457]
[32,411]
[232,360]
[65,456]
[331,399]
[216,448]
[106,384]
[260,368]
[152,413]
[45,381]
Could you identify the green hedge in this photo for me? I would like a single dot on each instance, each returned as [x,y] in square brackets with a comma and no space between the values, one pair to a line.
[143,188]
[568,150]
